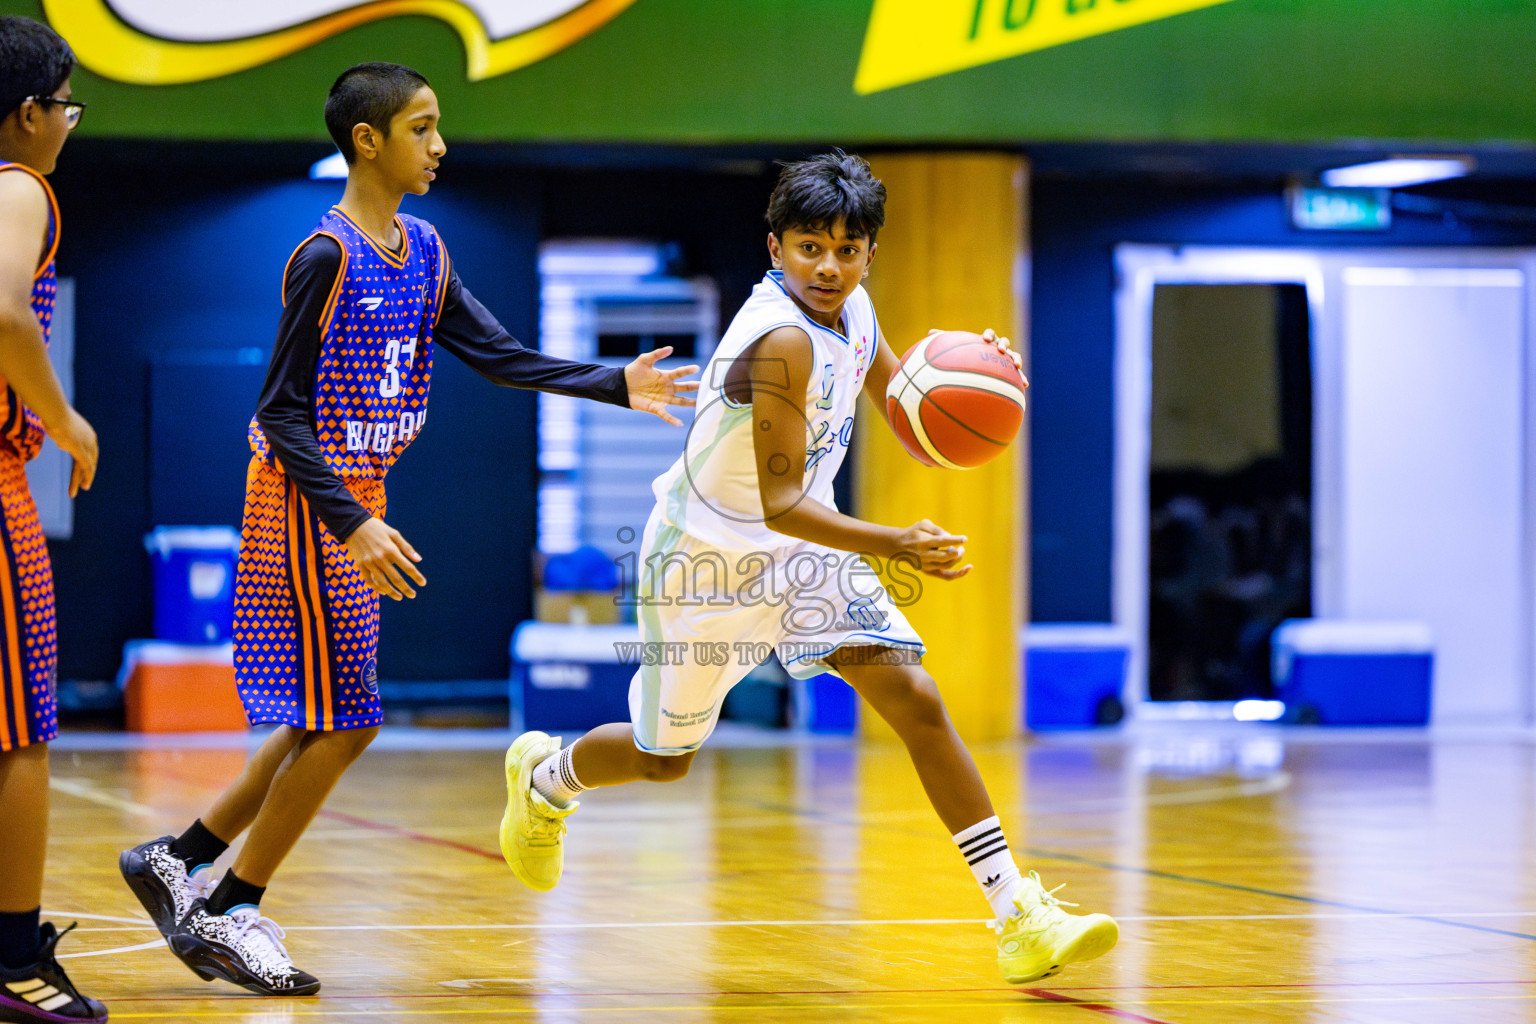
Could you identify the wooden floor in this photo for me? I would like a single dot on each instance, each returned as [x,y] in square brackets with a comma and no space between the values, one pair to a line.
[1258,875]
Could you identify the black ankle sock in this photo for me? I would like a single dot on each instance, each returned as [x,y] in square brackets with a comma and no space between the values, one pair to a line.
[197,846]
[232,892]
[19,939]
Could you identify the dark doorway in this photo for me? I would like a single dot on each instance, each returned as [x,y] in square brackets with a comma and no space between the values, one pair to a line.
[1231,485]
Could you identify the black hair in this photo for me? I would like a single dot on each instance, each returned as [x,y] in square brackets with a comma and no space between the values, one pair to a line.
[34,61]
[371,93]
[817,193]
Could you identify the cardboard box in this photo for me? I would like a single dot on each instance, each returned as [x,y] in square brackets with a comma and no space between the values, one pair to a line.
[577,607]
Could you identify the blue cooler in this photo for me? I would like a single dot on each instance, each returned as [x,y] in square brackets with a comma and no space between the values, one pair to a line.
[567,677]
[1074,674]
[194,573]
[825,704]
[1342,672]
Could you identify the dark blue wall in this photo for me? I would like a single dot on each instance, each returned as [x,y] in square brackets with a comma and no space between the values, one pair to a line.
[1075,226]
[178,254]
[178,267]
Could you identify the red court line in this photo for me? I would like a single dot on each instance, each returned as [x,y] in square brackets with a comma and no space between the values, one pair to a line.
[1290,985]
[352,819]
[1057,997]
[405,833]
[1274,894]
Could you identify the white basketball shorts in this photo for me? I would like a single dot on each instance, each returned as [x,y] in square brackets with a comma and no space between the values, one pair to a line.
[708,616]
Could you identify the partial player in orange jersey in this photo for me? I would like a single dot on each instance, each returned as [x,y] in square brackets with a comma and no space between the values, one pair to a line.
[38,113]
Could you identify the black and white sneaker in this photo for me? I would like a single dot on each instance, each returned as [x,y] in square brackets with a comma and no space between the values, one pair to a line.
[43,991]
[240,947]
[160,880]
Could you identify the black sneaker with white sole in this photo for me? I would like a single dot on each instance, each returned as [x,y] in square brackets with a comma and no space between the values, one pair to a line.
[160,880]
[241,947]
[43,992]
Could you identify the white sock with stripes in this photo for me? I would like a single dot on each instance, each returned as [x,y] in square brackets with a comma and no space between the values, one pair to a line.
[985,849]
[555,779]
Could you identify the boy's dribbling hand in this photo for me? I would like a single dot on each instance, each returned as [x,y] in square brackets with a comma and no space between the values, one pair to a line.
[935,550]
[382,556]
[1001,344]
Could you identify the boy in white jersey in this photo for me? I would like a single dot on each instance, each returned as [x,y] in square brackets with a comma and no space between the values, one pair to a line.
[746,547]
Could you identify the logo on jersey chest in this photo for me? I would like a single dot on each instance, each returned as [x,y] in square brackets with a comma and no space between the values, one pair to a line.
[823,438]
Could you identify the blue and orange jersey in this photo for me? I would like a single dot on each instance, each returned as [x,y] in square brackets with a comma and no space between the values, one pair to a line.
[375,362]
[20,427]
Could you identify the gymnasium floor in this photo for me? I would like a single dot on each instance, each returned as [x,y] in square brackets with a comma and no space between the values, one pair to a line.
[1258,874]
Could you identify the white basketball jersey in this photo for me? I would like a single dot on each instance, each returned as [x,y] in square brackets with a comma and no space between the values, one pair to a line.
[711,490]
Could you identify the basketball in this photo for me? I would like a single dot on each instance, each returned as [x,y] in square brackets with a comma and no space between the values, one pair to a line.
[955,401]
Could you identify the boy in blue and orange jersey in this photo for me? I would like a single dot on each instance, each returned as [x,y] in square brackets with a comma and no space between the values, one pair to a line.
[35,66]
[367,298]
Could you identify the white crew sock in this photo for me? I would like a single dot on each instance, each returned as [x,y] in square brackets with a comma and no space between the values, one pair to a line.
[555,779]
[985,849]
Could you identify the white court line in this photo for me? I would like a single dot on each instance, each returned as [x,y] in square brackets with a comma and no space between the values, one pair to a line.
[146,922]
[85,791]
[882,922]
[119,949]
[1257,787]
[619,925]
[1333,917]
[1271,784]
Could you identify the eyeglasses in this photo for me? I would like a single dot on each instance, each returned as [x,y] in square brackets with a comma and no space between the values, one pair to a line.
[73,109]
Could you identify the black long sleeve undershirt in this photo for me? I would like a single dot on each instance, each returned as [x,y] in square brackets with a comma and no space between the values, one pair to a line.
[466,328]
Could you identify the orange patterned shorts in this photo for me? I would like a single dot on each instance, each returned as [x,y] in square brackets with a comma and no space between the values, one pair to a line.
[306,623]
[29,649]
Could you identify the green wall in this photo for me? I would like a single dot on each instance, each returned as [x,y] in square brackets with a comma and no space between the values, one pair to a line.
[724,71]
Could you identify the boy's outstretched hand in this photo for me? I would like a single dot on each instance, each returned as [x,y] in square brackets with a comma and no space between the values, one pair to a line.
[652,390]
[935,550]
[382,555]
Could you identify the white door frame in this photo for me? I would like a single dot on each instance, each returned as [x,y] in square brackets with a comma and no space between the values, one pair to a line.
[1139,269]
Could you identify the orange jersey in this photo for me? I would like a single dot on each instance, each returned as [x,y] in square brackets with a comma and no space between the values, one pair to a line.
[369,397]
[20,427]
[28,641]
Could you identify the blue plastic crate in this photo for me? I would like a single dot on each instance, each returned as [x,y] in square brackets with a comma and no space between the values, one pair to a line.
[1074,674]
[1343,672]
[569,678]
[826,704]
[194,582]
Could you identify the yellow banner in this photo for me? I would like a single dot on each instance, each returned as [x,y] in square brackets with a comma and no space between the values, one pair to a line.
[113,47]
[910,40]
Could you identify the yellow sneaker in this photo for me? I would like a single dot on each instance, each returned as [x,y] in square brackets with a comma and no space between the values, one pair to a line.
[532,829]
[1042,938]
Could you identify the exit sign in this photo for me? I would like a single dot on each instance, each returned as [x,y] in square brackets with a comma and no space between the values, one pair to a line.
[1341,209]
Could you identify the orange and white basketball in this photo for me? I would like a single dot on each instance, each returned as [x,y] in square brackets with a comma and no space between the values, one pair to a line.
[955,401]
